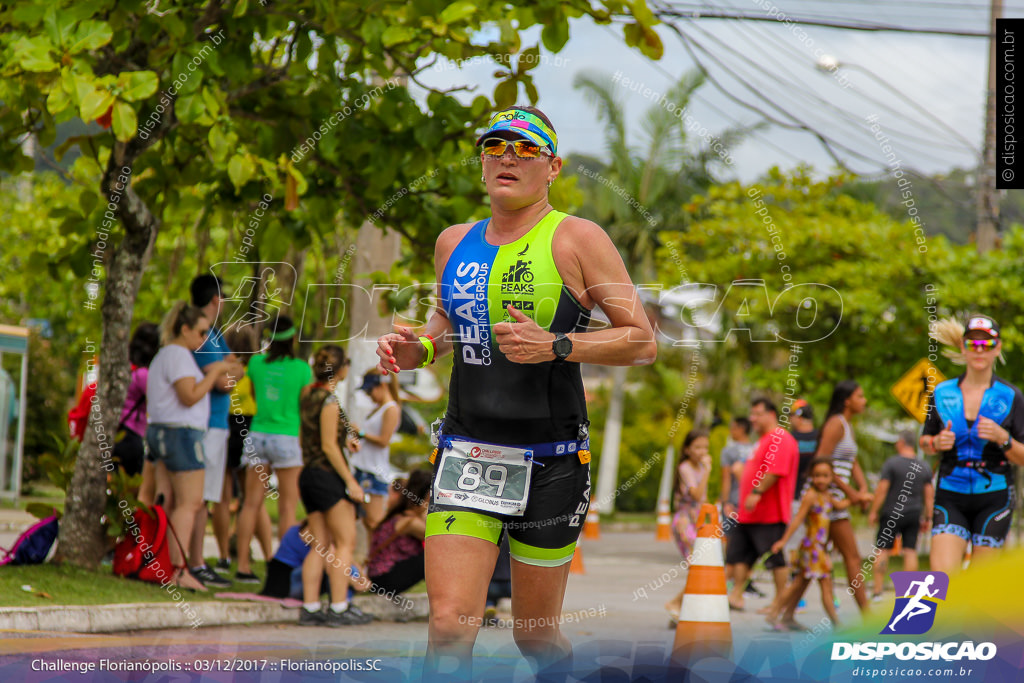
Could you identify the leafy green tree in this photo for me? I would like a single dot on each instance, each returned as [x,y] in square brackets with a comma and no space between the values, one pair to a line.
[873,328]
[206,107]
[637,196]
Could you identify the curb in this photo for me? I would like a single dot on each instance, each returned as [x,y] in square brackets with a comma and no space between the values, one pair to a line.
[163,615]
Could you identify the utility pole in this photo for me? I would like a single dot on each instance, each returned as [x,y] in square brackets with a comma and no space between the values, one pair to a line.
[987,197]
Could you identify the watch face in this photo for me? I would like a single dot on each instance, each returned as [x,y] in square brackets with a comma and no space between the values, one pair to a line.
[562,346]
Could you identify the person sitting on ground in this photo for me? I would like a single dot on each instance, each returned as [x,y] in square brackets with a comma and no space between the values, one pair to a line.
[286,566]
[395,562]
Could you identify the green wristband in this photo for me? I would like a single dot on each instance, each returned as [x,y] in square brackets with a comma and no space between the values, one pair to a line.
[428,344]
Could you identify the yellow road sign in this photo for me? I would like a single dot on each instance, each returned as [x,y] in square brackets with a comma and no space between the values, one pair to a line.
[914,388]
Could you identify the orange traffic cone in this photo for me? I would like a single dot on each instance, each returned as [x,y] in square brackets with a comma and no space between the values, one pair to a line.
[664,532]
[592,527]
[897,546]
[576,567]
[967,556]
[704,627]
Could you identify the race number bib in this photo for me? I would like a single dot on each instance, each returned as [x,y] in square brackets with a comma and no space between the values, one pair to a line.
[484,477]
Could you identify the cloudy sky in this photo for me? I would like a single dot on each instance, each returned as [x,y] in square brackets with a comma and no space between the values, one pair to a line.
[926,92]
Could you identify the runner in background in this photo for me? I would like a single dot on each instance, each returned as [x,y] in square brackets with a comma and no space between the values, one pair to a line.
[975,423]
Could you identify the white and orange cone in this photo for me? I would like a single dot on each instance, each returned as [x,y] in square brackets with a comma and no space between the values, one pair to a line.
[704,627]
[664,532]
[592,527]
[576,566]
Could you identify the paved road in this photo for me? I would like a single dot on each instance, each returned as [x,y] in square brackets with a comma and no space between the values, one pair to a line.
[606,617]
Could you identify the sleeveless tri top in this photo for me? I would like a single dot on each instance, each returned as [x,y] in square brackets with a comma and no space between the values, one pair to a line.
[490,397]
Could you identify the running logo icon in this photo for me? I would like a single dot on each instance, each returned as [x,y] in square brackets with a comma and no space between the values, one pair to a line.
[917,596]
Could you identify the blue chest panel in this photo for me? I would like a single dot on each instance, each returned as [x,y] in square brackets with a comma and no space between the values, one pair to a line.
[464,286]
[996,404]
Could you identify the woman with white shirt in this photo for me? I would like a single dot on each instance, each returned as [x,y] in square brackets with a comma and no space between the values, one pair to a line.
[371,465]
[177,398]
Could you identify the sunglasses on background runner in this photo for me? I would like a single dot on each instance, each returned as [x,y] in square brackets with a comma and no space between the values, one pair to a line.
[524,149]
[203,332]
[981,344]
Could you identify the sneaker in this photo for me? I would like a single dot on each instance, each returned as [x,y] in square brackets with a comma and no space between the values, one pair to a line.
[222,566]
[307,618]
[360,613]
[243,577]
[752,590]
[346,618]
[210,577]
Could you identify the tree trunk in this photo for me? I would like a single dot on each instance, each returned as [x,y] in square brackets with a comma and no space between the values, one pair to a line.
[82,539]
[376,249]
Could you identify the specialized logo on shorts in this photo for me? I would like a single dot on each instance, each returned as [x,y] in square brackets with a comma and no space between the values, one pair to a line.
[448,522]
[917,594]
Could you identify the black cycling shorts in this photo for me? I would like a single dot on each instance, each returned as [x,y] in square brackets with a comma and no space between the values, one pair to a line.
[546,534]
[981,518]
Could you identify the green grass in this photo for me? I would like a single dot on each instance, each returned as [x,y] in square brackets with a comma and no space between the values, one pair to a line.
[69,585]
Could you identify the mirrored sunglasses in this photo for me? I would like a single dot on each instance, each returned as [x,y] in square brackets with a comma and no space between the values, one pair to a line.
[524,149]
[981,344]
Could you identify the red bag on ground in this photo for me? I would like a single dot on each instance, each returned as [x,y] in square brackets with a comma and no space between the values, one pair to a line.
[145,553]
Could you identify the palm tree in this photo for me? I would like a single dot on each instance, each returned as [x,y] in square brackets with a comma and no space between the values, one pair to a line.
[637,195]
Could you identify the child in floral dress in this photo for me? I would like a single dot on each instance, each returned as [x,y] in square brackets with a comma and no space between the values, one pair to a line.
[814,562]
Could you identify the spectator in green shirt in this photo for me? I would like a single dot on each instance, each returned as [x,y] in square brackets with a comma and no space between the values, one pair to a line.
[277,380]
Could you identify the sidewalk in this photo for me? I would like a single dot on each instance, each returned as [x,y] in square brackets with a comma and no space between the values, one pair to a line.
[136,616]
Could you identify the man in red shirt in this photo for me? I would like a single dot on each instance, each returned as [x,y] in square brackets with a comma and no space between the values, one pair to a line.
[766,489]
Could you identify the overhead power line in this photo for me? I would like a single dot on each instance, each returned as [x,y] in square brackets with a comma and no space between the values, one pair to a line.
[668,11]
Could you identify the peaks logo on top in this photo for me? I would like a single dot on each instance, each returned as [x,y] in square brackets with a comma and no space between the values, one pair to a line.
[917,596]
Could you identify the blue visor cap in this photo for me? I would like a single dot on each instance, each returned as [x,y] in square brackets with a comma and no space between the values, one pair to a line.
[524,124]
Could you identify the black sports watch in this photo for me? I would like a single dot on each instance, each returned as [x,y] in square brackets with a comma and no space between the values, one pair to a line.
[562,346]
[1007,445]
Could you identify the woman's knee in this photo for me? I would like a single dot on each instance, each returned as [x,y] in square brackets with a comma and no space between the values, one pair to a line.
[448,622]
